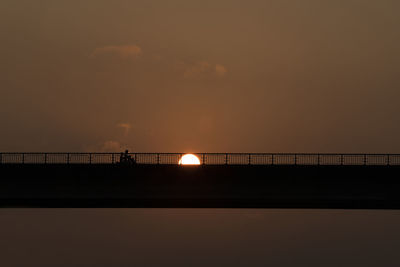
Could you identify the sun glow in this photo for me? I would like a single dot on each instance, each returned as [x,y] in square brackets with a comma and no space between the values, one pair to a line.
[189,159]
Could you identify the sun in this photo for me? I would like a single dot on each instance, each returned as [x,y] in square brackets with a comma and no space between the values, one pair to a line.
[189,159]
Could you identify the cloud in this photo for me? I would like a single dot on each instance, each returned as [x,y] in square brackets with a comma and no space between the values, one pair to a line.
[111,146]
[122,51]
[196,69]
[125,126]
[220,70]
[204,68]
[107,146]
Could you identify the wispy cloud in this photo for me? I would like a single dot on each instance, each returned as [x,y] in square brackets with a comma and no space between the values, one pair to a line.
[125,126]
[107,146]
[122,51]
[204,68]
[220,70]
[111,146]
[196,69]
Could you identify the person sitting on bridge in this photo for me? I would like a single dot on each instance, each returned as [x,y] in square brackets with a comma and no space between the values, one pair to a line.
[125,158]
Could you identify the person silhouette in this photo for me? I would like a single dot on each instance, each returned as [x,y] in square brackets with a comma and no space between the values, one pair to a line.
[125,158]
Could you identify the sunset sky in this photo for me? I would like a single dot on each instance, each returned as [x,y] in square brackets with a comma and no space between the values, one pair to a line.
[200,76]
[191,76]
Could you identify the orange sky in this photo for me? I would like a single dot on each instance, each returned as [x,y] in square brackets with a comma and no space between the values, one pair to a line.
[221,75]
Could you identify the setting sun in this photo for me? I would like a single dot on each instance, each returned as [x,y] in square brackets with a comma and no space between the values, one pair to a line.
[189,159]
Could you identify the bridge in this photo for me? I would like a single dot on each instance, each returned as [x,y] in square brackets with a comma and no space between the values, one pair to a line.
[312,159]
[222,180]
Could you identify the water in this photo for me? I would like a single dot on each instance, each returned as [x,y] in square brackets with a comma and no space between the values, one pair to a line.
[198,237]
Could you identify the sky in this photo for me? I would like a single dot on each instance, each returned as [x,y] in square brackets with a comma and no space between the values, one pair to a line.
[200,76]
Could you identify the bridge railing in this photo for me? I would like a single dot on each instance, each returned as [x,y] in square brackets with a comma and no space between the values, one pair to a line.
[205,158]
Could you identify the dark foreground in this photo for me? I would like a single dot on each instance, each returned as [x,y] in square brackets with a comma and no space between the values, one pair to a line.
[148,186]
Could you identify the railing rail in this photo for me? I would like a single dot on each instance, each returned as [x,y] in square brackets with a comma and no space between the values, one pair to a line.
[204,158]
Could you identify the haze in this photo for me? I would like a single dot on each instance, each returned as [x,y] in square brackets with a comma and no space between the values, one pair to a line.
[200,76]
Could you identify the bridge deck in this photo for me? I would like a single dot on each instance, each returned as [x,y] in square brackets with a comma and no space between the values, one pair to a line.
[208,186]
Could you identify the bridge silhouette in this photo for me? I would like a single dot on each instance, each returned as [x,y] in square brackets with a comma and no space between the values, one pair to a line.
[222,180]
[205,158]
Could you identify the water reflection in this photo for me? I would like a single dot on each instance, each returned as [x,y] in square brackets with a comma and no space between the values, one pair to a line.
[199,237]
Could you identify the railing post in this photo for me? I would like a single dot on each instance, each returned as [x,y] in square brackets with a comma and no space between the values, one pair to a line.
[90,158]
[295,159]
[158,158]
[341,159]
[388,160]
[204,159]
[136,157]
[45,158]
[112,158]
[319,159]
[1,158]
[23,158]
[365,159]
[67,158]
[249,159]
[272,159]
[226,159]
